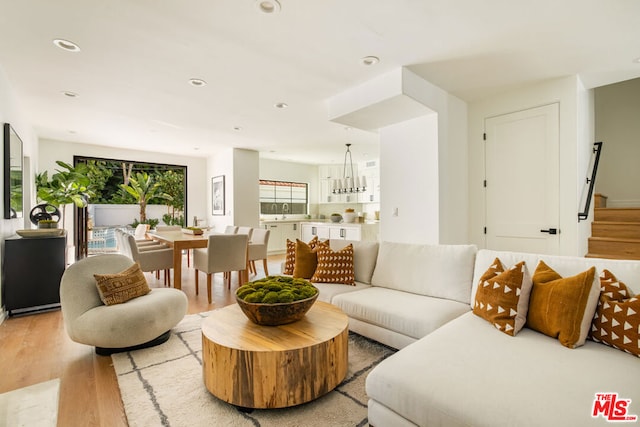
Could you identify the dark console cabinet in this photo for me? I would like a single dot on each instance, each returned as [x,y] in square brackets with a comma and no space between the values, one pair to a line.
[32,269]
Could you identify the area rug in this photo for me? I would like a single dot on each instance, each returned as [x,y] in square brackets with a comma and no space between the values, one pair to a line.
[163,386]
[32,406]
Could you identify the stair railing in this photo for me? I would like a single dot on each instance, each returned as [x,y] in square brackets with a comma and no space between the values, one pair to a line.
[597,148]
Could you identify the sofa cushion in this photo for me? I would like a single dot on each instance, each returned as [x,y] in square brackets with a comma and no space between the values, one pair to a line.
[365,255]
[466,374]
[617,319]
[290,258]
[563,307]
[121,287]
[329,290]
[503,296]
[442,271]
[334,266]
[402,312]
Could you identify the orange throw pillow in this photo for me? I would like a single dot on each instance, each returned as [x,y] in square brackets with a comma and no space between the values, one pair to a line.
[290,258]
[502,297]
[562,308]
[335,267]
[617,319]
[306,260]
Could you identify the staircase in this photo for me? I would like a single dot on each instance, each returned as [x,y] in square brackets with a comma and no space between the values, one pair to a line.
[615,233]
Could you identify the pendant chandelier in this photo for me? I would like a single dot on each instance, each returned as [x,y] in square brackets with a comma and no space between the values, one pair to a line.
[349,183]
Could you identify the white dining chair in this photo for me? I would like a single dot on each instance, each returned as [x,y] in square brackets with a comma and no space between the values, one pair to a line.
[258,249]
[151,260]
[224,253]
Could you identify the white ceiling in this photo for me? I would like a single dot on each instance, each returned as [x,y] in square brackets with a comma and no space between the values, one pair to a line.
[137,56]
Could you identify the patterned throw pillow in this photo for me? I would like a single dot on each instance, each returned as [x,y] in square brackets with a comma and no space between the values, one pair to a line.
[617,319]
[335,267]
[306,259]
[502,297]
[122,287]
[290,259]
[563,308]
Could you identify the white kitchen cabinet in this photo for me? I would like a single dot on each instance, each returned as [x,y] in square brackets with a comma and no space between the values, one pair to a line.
[327,174]
[310,230]
[371,171]
[279,234]
[344,232]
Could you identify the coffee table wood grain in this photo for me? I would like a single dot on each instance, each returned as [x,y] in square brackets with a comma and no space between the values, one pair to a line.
[253,366]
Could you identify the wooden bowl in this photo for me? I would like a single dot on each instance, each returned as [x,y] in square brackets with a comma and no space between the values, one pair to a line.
[276,314]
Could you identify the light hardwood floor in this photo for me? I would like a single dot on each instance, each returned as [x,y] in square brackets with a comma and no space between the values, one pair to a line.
[35,348]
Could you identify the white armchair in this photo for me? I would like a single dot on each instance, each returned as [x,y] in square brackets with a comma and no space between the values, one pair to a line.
[141,322]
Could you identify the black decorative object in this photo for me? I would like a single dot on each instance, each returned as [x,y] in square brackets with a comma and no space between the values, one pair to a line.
[44,211]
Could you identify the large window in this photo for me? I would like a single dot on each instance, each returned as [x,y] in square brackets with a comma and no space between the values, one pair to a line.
[283,198]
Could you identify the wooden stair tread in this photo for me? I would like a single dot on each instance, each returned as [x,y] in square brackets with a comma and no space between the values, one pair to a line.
[615,239]
[607,256]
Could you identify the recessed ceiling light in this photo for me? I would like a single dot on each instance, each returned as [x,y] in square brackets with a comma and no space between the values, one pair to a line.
[70,94]
[268,6]
[197,82]
[637,60]
[66,45]
[370,60]
[280,105]
[237,128]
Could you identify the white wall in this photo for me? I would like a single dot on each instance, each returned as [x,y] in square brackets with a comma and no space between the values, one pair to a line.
[617,109]
[11,112]
[240,168]
[409,190]
[575,144]
[50,151]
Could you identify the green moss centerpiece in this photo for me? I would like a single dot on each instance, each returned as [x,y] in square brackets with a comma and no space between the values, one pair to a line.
[276,300]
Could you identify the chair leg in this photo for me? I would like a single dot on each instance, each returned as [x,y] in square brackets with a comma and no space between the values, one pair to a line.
[252,267]
[266,269]
[188,258]
[196,282]
[209,287]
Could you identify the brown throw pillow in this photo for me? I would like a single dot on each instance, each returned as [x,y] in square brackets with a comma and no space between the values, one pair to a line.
[617,319]
[335,267]
[502,297]
[290,258]
[561,307]
[122,287]
[306,259]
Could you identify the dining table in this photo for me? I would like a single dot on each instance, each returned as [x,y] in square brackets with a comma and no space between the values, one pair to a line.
[179,241]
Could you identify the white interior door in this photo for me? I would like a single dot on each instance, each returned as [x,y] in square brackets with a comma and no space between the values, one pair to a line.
[522,181]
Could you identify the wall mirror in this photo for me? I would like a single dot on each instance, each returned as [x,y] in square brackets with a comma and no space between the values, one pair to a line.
[12,173]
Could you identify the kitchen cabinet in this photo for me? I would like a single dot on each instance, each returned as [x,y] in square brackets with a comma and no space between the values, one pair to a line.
[344,233]
[310,230]
[280,232]
[331,231]
[32,269]
[327,174]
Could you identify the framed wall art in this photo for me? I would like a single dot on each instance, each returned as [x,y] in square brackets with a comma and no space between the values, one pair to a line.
[217,195]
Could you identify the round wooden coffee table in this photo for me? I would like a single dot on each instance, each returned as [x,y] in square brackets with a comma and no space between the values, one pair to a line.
[255,366]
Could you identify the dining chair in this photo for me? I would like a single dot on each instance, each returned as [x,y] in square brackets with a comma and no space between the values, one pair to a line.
[151,260]
[123,246]
[258,249]
[231,229]
[224,253]
[245,230]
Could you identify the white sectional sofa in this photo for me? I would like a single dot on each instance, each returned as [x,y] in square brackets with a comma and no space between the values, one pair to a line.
[454,368]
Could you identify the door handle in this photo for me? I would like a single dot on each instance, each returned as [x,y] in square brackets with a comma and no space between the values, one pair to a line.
[550,231]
